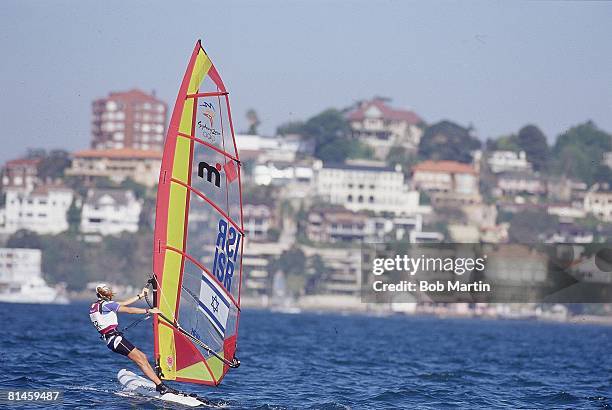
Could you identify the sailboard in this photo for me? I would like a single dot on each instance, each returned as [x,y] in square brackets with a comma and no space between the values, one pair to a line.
[199,234]
[135,384]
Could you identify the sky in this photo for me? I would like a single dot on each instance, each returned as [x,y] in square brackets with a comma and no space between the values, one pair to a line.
[492,64]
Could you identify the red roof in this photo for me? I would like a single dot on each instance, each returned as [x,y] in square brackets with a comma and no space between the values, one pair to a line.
[119,153]
[22,162]
[134,94]
[388,113]
[451,167]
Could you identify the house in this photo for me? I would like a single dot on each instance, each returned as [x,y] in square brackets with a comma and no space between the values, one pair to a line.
[517,183]
[110,212]
[598,201]
[381,127]
[279,148]
[330,224]
[257,220]
[281,174]
[42,210]
[142,166]
[448,183]
[503,161]
[366,186]
[20,173]
[570,233]
[337,224]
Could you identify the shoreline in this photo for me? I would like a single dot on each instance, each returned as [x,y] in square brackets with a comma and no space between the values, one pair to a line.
[348,305]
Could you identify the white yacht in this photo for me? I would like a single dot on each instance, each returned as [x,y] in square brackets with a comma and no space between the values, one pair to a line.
[21,279]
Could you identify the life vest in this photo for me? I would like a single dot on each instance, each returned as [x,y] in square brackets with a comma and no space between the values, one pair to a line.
[104,322]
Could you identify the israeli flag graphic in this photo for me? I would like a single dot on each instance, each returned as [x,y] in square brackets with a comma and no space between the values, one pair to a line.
[214,303]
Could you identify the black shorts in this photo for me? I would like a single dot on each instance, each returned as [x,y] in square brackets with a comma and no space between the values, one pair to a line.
[119,344]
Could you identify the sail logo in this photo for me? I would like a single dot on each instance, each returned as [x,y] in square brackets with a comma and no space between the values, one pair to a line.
[213,173]
[209,111]
[227,250]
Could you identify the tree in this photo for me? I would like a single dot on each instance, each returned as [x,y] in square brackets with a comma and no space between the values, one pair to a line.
[24,239]
[53,165]
[446,140]
[253,120]
[73,215]
[399,155]
[291,262]
[506,143]
[529,226]
[533,141]
[578,153]
[292,127]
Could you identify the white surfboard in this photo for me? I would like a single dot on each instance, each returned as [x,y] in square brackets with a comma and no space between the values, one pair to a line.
[145,387]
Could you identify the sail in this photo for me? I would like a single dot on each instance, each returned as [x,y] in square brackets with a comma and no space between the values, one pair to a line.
[199,237]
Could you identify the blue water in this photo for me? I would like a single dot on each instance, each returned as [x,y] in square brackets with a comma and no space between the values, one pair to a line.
[330,362]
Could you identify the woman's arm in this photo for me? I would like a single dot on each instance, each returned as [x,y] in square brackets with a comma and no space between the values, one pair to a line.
[133,310]
[136,298]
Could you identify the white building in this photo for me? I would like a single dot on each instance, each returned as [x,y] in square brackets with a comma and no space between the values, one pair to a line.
[598,201]
[110,212]
[274,174]
[512,183]
[366,185]
[43,210]
[17,264]
[257,220]
[280,148]
[502,161]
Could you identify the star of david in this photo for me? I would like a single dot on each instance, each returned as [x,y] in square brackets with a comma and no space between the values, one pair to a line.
[215,304]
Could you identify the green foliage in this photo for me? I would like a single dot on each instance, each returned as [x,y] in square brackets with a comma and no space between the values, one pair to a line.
[504,143]
[253,120]
[399,155]
[291,262]
[358,149]
[529,226]
[24,239]
[140,191]
[533,141]
[123,259]
[446,140]
[326,126]
[293,127]
[53,164]
[578,153]
[259,194]
[74,216]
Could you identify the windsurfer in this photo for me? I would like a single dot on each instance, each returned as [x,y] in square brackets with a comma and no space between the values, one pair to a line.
[103,315]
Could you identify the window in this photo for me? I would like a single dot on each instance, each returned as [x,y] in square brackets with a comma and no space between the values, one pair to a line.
[349,198]
[371,199]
